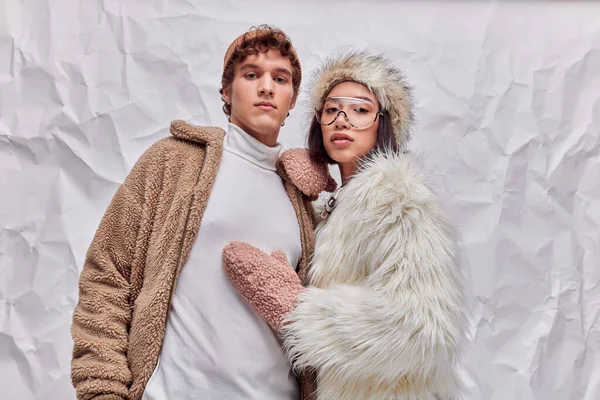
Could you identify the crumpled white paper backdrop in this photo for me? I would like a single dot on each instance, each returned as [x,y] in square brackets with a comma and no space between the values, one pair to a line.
[508,115]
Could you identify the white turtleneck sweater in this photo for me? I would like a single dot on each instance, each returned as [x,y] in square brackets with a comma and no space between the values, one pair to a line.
[215,345]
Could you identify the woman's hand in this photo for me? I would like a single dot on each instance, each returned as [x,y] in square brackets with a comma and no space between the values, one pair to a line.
[267,282]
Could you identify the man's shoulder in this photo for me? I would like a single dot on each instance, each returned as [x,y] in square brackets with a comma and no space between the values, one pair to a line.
[210,135]
[186,141]
[184,138]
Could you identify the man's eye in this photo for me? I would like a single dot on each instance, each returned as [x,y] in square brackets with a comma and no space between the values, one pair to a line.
[281,80]
[251,75]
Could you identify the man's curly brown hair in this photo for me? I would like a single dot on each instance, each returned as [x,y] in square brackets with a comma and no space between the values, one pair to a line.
[260,40]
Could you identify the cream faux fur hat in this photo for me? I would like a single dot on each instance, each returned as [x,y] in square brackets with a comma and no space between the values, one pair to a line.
[379,75]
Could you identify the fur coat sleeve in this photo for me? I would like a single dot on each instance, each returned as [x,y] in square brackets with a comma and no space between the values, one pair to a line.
[383,316]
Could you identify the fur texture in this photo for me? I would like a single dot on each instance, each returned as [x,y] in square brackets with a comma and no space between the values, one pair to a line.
[134,260]
[267,282]
[383,316]
[310,177]
[379,75]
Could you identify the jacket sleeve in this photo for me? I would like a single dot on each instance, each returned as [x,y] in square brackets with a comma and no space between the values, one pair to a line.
[404,321]
[101,319]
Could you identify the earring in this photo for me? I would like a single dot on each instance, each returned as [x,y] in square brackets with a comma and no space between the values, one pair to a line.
[284,120]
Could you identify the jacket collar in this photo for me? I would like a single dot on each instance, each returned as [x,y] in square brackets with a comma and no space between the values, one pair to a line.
[294,165]
[209,135]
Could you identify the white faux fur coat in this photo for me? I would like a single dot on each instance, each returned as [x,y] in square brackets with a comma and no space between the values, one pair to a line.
[383,316]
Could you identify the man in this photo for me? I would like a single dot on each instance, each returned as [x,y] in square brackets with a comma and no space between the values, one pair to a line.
[157,318]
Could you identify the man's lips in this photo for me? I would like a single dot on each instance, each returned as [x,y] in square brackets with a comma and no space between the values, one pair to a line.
[265,105]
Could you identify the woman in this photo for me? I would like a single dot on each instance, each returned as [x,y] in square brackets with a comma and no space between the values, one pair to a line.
[382,315]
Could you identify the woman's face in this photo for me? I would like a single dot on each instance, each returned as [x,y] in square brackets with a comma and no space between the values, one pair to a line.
[343,142]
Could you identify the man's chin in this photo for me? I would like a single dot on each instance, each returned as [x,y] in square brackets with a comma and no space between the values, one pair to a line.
[268,127]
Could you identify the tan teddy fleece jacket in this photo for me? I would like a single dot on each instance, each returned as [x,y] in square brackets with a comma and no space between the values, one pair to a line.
[142,243]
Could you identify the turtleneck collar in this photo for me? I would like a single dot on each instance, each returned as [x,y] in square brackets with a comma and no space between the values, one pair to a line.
[250,149]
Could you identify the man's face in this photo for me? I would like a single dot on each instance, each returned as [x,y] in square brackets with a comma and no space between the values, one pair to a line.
[261,95]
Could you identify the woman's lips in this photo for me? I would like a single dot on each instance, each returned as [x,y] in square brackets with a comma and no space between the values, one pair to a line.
[340,140]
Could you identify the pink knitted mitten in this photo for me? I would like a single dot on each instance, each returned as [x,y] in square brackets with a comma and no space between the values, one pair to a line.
[267,282]
[310,177]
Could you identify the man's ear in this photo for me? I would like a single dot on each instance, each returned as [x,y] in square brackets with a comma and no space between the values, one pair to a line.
[227,94]
[293,103]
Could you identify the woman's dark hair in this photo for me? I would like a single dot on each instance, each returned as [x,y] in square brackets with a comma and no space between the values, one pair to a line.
[385,139]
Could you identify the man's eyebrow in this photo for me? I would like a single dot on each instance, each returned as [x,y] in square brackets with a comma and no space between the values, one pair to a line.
[254,66]
[284,71]
[249,66]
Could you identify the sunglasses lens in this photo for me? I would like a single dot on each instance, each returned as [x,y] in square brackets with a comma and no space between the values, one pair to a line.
[360,113]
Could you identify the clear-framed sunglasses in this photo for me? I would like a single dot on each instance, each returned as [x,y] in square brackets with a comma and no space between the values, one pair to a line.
[360,113]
